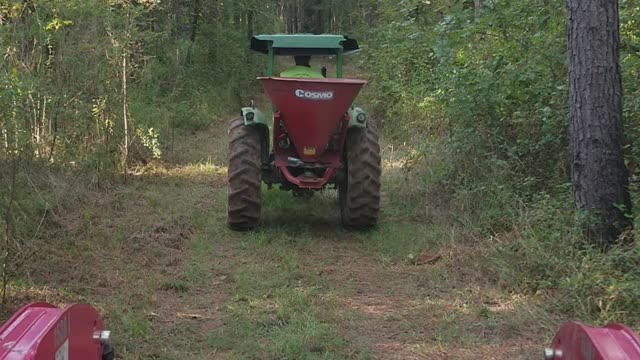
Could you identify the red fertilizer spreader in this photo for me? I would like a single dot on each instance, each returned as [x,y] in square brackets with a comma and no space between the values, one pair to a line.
[41,331]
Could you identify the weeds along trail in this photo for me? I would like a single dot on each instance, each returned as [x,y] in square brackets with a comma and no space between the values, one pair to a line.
[172,282]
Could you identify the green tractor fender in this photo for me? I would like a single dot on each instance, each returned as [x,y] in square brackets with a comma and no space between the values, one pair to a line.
[357,117]
[255,118]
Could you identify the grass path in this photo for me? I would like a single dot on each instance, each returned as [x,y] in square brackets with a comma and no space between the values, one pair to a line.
[172,282]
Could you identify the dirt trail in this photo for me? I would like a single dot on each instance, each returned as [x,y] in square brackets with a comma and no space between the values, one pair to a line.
[173,282]
[401,312]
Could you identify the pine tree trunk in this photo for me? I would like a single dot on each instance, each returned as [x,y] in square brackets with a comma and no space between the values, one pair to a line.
[125,115]
[477,4]
[250,24]
[312,17]
[599,174]
[194,20]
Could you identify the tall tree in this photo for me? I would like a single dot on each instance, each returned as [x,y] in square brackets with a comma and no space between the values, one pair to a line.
[477,4]
[194,21]
[312,19]
[599,174]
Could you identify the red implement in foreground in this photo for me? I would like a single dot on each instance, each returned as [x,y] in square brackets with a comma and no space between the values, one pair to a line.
[41,331]
[576,341]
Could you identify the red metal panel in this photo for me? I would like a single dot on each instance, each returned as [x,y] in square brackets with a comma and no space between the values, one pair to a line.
[21,333]
[308,182]
[576,341]
[329,160]
[311,110]
[40,331]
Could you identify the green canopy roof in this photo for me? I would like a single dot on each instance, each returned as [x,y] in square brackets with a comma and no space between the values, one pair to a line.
[304,44]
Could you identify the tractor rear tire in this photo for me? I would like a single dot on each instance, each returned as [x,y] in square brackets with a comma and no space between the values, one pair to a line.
[244,175]
[359,190]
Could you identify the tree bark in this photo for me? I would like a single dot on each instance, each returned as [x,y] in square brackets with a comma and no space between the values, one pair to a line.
[194,20]
[125,100]
[296,16]
[288,14]
[250,23]
[312,17]
[125,113]
[8,231]
[599,174]
[477,4]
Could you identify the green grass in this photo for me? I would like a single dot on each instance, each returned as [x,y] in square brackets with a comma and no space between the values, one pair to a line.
[173,282]
[276,317]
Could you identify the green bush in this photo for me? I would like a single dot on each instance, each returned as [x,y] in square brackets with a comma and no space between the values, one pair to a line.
[483,105]
[546,255]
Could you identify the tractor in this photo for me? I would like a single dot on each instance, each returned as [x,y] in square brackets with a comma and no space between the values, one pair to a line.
[316,138]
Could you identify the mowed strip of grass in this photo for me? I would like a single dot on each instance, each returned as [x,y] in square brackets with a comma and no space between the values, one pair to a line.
[172,282]
[155,257]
